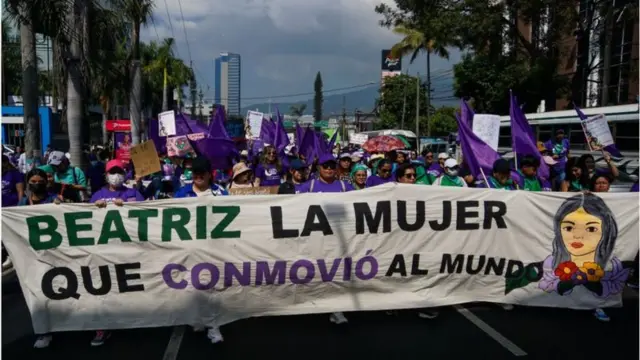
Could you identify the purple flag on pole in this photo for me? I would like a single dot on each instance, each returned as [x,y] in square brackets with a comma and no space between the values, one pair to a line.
[611,149]
[523,141]
[307,146]
[332,141]
[476,153]
[281,139]
[299,136]
[466,114]
[216,127]
[267,132]
[159,141]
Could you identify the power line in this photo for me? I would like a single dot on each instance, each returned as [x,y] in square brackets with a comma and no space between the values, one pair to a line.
[186,37]
[173,35]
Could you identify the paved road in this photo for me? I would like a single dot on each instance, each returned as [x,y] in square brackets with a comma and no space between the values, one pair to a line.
[482,331]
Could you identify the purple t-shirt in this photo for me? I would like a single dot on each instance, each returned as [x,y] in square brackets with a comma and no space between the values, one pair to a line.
[435,169]
[376,180]
[561,149]
[268,175]
[126,194]
[319,186]
[634,188]
[9,181]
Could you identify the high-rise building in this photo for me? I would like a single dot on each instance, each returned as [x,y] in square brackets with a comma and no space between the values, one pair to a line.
[227,82]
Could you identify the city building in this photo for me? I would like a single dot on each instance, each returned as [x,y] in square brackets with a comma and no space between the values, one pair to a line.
[227,82]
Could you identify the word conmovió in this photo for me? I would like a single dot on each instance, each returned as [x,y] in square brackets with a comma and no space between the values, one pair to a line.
[206,276]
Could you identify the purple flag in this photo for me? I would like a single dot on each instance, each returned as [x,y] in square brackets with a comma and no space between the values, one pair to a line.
[523,141]
[281,139]
[299,136]
[332,141]
[466,114]
[307,147]
[476,153]
[216,126]
[611,149]
[267,132]
[159,141]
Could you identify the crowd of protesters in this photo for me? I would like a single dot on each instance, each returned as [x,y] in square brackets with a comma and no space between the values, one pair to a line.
[112,181]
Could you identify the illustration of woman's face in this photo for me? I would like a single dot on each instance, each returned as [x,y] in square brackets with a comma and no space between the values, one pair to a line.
[581,232]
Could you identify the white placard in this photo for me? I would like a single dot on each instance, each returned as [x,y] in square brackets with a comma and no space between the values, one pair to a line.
[254,120]
[167,123]
[358,139]
[597,132]
[487,128]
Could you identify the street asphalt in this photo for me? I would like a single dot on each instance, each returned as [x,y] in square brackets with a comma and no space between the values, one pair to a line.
[480,331]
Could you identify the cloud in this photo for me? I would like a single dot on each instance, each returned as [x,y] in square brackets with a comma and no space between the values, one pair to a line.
[283,43]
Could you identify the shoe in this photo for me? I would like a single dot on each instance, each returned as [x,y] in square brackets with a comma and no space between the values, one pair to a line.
[215,335]
[507,307]
[428,314]
[601,315]
[43,341]
[100,338]
[338,318]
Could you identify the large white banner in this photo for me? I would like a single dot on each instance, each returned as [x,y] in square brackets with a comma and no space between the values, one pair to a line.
[214,260]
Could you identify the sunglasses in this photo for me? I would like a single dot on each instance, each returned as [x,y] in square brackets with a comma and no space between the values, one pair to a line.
[410,176]
[384,171]
[329,165]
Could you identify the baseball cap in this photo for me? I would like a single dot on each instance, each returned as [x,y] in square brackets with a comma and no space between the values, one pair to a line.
[200,165]
[501,166]
[297,164]
[325,159]
[345,156]
[443,156]
[450,163]
[114,163]
[55,158]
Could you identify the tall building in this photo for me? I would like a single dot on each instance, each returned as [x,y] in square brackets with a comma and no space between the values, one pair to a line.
[227,82]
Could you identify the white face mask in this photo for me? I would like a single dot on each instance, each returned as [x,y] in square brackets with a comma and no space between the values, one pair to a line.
[115,179]
[451,172]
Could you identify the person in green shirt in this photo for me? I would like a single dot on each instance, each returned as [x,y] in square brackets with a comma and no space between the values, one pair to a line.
[450,175]
[528,178]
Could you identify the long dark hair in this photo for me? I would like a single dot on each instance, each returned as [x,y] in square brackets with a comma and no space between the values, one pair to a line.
[593,205]
[584,178]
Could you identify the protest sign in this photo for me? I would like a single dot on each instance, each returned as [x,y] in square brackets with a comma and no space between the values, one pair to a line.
[358,139]
[257,190]
[487,128]
[213,260]
[597,132]
[145,158]
[179,146]
[254,120]
[122,146]
[167,123]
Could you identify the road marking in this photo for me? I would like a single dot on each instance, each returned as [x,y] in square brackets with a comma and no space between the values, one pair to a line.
[506,343]
[173,347]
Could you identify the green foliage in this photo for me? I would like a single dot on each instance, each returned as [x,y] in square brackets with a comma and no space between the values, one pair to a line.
[443,121]
[317,98]
[297,110]
[11,62]
[398,96]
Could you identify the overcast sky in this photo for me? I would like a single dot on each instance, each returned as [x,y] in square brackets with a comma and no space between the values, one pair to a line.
[283,43]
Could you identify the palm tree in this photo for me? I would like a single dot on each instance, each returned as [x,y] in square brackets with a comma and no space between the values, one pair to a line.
[138,13]
[414,41]
[161,64]
[298,110]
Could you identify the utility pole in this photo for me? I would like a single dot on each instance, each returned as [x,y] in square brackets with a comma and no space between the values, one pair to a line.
[418,106]
[428,93]
[404,101]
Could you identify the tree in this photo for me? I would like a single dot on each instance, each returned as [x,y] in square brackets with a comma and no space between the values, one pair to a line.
[138,13]
[397,98]
[11,62]
[297,110]
[193,89]
[443,121]
[317,98]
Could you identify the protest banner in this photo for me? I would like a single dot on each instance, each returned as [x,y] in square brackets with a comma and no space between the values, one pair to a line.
[257,190]
[145,158]
[214,260]
[179,146]
[597,132]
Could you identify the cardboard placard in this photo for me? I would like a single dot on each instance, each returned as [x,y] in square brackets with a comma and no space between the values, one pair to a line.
[145,158]
[258,190]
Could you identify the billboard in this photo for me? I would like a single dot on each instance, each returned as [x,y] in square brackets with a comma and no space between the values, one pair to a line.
[390,63]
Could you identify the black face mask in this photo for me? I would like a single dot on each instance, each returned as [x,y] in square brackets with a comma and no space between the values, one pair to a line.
[38,188]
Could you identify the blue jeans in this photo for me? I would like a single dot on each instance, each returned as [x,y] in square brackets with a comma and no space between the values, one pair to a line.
[558,179]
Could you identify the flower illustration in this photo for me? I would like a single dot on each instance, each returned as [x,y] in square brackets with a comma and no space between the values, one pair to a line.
[579,277]
[565,270]
[593,270]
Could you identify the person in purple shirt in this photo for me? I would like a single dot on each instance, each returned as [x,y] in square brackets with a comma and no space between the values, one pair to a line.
[326,179]
[437,169]
[12,183]
[270,170]
[327,182]
[559,149]
[383,175]
[115,192]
